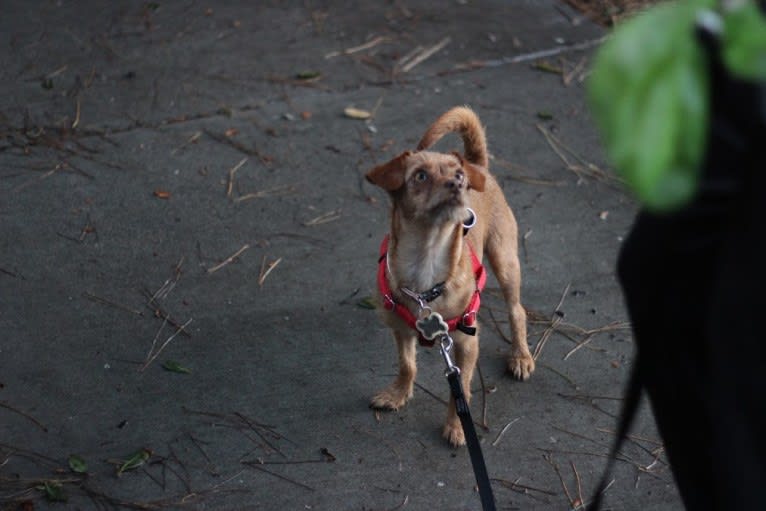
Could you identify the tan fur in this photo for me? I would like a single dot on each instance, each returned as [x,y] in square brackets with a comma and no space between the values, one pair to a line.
[464,121]
[430,192]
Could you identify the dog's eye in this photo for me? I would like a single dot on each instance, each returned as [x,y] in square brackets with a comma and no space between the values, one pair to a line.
[421,175]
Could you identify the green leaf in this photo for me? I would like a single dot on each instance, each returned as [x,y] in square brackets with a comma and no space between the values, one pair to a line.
[744,41]
[366,303]
[175,367]
[77,464]
[54,492]
[649,95]
[308,75]
[136,460]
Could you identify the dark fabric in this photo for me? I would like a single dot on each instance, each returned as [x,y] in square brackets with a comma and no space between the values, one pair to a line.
[694,285]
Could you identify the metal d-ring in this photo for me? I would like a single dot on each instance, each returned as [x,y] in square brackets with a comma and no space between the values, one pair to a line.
[471,221]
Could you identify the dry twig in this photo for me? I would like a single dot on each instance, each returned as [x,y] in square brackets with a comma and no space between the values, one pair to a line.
[265,270]
[549,458]
[24,414]
[223,139]
[524,489]
[192,139]
[77,113]
[582,168]
[277,190]
[324,218]
[556,318]
[502,431]
[356,49]
[229,259]
[526,57]
[421,56]
[578,503]
[116,305]
[152,356]
[232,171]
[159,312]
[567,78]
[261,468]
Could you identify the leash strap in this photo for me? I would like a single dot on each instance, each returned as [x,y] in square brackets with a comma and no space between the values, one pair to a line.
[472,442]
[464,413]
[627,415]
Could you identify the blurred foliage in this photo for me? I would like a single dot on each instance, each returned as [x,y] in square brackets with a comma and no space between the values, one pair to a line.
[649,93]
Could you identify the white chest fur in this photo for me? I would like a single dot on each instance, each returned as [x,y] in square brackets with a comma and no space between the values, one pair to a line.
[422,259]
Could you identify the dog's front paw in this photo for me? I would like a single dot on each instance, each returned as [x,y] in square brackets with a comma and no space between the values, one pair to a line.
[521,366]
[390,398]
[453,433]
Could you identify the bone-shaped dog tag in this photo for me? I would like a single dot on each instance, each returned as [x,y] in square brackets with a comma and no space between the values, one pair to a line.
[432,326]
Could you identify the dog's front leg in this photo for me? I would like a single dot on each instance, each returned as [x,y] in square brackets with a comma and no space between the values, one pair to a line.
[399,392]
[466,356]
[507,269]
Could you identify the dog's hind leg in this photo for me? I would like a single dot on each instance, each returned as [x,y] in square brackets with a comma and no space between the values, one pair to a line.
[399,392]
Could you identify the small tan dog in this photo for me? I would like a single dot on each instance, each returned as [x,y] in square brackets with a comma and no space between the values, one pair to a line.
[431,257]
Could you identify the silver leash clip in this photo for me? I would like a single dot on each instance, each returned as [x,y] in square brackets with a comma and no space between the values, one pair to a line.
[445,346]
[423,308]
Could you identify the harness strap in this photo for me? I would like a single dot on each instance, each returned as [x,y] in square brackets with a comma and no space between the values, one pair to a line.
[465,323]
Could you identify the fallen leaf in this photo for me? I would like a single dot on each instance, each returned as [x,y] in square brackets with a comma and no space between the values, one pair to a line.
[356,113]
[175,367]
[306,115]
[161,194]
[547,67]
[77,464]
[366,303]
[308,75]
[603,215]
[231,132]
[135,461]
[53,492]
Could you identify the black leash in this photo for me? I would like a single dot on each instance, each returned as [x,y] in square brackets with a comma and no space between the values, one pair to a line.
[628,413]
[432,327]
[471,438]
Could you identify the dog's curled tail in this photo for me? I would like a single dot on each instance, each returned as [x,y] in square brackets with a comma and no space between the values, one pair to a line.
[464,121]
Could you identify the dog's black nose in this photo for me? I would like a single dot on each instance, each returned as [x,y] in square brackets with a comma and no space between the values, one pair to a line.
[456,182]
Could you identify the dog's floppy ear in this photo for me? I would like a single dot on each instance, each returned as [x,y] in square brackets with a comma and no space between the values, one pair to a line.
[476,176]
[390,176]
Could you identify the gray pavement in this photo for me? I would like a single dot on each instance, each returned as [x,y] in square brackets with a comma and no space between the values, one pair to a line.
[143,144]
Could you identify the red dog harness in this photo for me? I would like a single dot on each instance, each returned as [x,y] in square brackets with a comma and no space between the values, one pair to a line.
[465,323]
